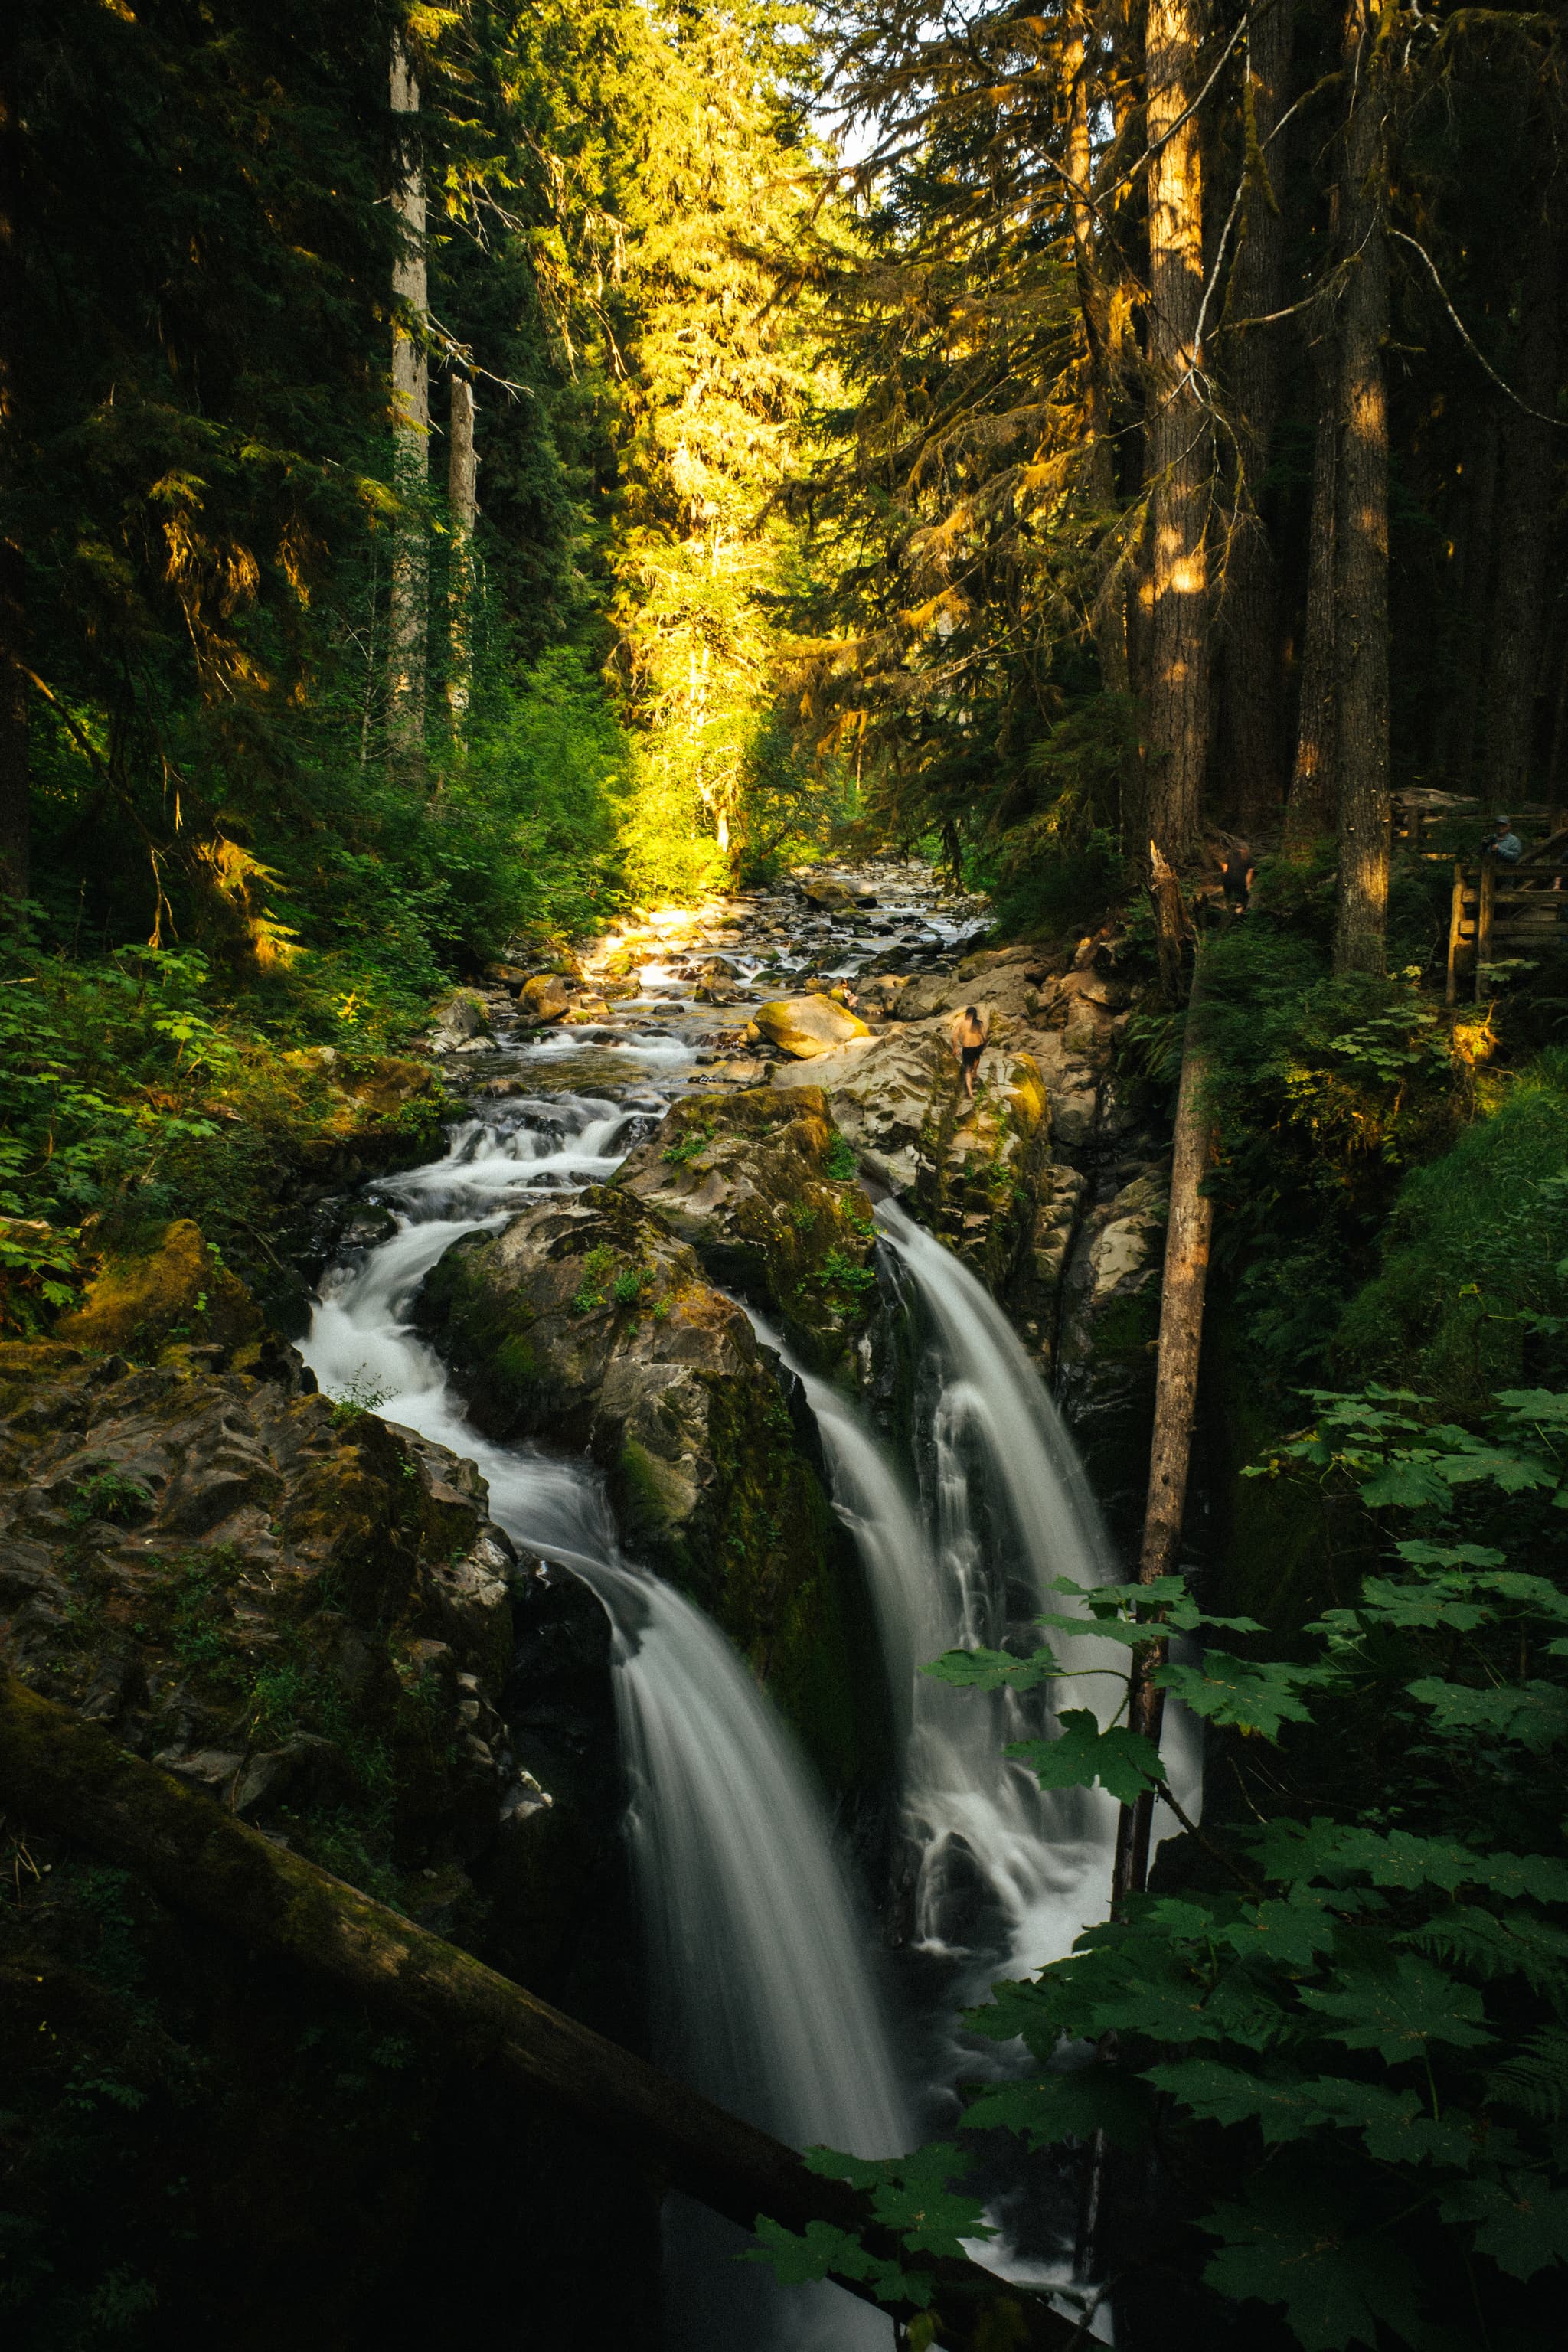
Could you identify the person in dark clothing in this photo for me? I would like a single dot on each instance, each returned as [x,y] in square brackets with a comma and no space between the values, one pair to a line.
[969,1031]
[1236,884]
[1505,845]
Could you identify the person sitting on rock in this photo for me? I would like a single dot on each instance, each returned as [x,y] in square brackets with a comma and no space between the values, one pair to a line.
[969,1031]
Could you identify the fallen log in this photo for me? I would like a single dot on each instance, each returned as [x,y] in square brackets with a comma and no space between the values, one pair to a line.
[72,1776]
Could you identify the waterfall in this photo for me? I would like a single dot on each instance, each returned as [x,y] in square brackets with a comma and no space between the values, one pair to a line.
[762,1993]
[1002,1869]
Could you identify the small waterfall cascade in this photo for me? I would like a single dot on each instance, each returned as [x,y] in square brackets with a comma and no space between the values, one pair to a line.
[1001,1868]
[763,1990]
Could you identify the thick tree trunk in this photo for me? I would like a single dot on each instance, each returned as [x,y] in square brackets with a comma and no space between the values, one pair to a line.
[1361,911]
[1176,742]
[1524,525]
[408,625]
[1109,614]
[1310,811]
[14,775]
[462,506]
[1184,1287]
[59,1773]
[1250,637]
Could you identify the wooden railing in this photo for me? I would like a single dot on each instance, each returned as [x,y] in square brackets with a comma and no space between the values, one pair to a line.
[1495,906]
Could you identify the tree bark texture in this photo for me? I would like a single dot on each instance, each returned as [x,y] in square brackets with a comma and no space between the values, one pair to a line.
[1361,910]
[1310,814]
[1183,1287]
[62,1774]
[1109,619]
[1176,741]
[409,618]
[1524,524]
[14,772]
[1249,636]
[462,506]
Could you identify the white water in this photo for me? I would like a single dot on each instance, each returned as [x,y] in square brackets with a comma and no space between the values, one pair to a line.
[761,1986]
[762,1994]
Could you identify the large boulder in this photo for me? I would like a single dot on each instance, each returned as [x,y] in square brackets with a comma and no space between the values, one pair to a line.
[765,1189]
[805,1026]
[587,1322]
[880,1094]
[292,1607]
[545,997]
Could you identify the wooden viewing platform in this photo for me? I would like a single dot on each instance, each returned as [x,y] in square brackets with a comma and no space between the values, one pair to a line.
[1497,907]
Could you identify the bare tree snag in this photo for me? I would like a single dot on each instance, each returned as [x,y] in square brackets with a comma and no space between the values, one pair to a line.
[1177,686]
[1170,923]
[462,506]
[409,621]
[1183,1289]
[1361,909]
[60,1773]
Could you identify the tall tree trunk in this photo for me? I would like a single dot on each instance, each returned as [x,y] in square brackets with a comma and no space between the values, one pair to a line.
[1183,1288]
[1524,519]
[1110,615]
[72,1776]
[408,623]
[14,776]
[1361,911]
[1310,812]
[462,505]
[1176,741]
[1250,637]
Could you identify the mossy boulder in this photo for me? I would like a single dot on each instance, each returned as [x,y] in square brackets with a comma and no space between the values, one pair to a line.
[587,1323]
[291,1606]
[169,1292]
[805,1026]
[983,1161]
[765,1189]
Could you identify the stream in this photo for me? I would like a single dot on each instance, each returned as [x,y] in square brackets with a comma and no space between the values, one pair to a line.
[767,1989]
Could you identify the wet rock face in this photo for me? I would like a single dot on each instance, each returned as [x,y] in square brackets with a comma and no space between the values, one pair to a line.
[587,1323]
[764,1190]
[1108,1327]
[291,1606]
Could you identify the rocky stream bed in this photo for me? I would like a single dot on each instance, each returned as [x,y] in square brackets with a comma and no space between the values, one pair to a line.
[666,1163]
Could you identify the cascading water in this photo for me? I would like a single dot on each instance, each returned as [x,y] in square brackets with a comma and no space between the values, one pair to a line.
[762,1992]
[1006,1490]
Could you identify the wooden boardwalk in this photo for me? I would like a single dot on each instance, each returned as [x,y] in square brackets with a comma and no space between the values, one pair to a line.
[1500,911]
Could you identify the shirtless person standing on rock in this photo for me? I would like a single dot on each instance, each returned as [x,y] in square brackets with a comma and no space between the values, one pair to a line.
[969,1031]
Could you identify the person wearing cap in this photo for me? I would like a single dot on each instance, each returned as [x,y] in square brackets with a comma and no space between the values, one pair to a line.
[969,1031]
[1505,844]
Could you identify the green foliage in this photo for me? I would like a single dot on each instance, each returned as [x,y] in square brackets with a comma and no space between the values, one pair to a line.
[1325,1091]
[1352,2059]
[841,1164]
[1473,1289]
[690,1145]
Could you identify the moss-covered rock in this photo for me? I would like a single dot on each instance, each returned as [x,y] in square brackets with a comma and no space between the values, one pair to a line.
[805,1026]
[982,1162]
[764,1187]
[587,1322]
[173,1290]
